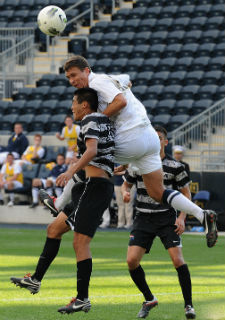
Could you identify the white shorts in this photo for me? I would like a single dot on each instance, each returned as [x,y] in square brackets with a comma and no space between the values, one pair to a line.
[69,154]
[16,184]
[139,147]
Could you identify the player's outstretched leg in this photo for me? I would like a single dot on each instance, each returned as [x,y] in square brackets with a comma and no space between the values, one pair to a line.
[76,305]
[210,227]
[48,202]
[190,312]
[28,283]
[146,307]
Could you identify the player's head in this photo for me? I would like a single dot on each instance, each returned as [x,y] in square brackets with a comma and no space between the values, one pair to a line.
[162,133]
[77,71]
[37,139]
[85,101]
[60,159]
[68,121]
[10,158]
[18,128]
[178,152]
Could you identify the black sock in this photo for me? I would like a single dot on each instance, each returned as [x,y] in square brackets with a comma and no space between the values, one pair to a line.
[185,283]
[138,276]
[84,269]
[49,253]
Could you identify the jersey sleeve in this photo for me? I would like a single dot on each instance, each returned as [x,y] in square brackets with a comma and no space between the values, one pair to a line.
[17,168]
[41,153]
[106,89]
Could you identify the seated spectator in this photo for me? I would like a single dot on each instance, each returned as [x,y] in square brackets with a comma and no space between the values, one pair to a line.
[11,177]
[17,144]
[70,132]
[178,154]
[33,153]
[49,183]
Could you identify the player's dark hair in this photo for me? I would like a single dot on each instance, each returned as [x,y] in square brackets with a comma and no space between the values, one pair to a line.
[161,129]
[60,154]
[68,116]
[89,95]
[78,62]
[10,154]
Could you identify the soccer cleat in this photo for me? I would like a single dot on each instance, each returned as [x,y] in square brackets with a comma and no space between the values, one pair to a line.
[190,312]
[76,305]
[146,307]
[209,223]
[48,202]
[27,283]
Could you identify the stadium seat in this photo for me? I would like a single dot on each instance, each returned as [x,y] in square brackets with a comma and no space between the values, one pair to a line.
[150,64]
[134,64]
[63,107]
[147,25]
[171,92]
[150,105]
[166,64]
[202,10]
[142,37]
[176,121]
[157,50]
[219,50]
[165,106]
[161,120]
[118,65]
[30,171]
[93,52]
[175,37]
[183,64]
[197,23]
[217,63]
[6,15]
[4,107]
[159,78]
[95,38]
[53,151]
[7,122]
[140,51]
[152,12]
[168,12]
[180,23]
[102,65]
[137,13]
[185,11]
[189,50]
[213,77]
[25,4]
[221,37]
[108,51]
[43,172]
[121,14]
[32,107]
[23,94]
[124,51]
[56,92]
[40,123]
[172,50]
[191,36]
[46,80]
[210,36]
[193,77]
[109,39]
[26,121]
[39,4]
[154,92]
[176,77]
[69,91]
[60,80]
[220,93]
[183,106]
[126,38]
[133,76]
[163,24]
[143,78]
[157,37]
[131,25]
[32,17]
[20,15]
[207,92]
[205,49]
[140,92]
[217,10]
[189,92]
[10,4]
[15,107]
[77,46]
[215,23]
[115,26]
[99,27]
[40,92]
[15,24]
[200,106]
[56,122]
[49,106]
[200,63]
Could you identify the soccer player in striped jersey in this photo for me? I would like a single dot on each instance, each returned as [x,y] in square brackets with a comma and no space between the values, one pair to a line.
[89,198]
[155,219]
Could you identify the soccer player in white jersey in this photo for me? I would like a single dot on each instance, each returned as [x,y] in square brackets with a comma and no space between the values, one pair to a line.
[136,142]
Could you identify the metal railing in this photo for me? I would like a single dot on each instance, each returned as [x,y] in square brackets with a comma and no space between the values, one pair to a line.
[204,139]
[16,59]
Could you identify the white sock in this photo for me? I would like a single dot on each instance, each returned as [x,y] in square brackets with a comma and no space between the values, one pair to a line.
[49,191]
[65,196]
[11,196]
[35,194]
[179,202]
[58,191]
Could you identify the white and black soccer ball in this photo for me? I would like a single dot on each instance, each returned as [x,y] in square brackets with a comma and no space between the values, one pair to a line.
[51,20]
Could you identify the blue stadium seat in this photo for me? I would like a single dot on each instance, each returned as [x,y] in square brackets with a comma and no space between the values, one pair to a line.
[172,50]
[56,122]
[140,51]
[211,35]
[166,64]
[163,24]
[131,25]
[168,12]
[15,24]
[134,64]
[60,80]
[99,27]
[191,36]
[93,52]
[49,106]
[32,17]
[69,92]
[4,107]
[154,92]
[23,94]
[6,15]
[102,65]
[133,75]
[161,120]
[108,51]
[175,37]
[109,39]
[185,11]
[95,38]
[189,92]
[189,50]
[10,4]
[150,105]
[171,92]
[43,172]
[39,4]
[197,23]
[152,12]
[121,14]
[157,50]
[206,49]
[137,13]
[217,10]
[126,38]
[32,106]
[46,80]
[217,63]
[140,92]
[25,4]
[219,50]
[20,15]
[207,92]
[180,23]
[40,92]
[56,92]
[213,77]
[40,123]
[118,65]
[143,78]
[176,121]
[142,37]
[77,46]
[202,10]
[200,63]
[63,107]
[193,78]
[26,121]
[165,106]
[53,151]
[159,78]
[221,37]
[150,64]
[16,107]
[176,77]
[115,26]
[200,106]
[158,37]
[215,23]
[220,93]
[7,121]
[124,51]
[183,106]
[147,25]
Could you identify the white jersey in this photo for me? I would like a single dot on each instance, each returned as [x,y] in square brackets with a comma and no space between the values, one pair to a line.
[108,87]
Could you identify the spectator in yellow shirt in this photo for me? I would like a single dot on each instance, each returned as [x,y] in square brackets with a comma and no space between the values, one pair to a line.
[11,177]
[34,152]
[70,132]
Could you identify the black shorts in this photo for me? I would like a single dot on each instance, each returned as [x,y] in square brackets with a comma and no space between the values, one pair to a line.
[89,201]
[148,226]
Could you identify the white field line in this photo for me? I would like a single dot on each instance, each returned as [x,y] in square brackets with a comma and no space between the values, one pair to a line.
[108,296]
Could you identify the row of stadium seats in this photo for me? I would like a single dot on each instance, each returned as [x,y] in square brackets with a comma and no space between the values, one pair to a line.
[164,3]
[45,92]
[180,9]
[164,24]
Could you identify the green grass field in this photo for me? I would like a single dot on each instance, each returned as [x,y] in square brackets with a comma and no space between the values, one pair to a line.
[112,293]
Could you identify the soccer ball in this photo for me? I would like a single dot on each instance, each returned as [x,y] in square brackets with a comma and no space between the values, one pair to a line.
[52,20]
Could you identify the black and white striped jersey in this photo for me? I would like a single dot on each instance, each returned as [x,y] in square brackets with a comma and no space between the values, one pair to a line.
[175,177]
[98,126]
